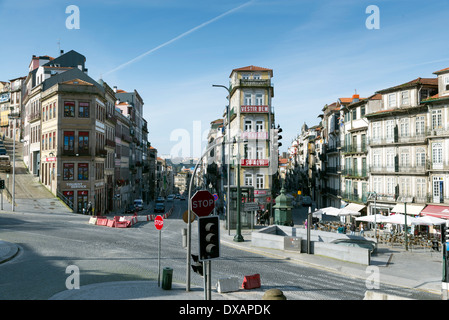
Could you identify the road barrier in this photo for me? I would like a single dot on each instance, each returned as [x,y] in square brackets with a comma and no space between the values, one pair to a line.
[251,282]
[125,221]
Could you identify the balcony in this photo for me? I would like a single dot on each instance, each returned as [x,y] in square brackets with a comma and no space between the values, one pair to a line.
[359,148]
[34,117]
[397,139]
[352,173]
[103,153]
[402,169]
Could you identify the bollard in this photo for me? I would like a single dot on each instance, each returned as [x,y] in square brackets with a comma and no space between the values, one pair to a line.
[274,294]
[184,237]
[167,275]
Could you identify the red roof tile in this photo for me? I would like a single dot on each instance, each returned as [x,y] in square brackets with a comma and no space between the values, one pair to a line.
[253,68]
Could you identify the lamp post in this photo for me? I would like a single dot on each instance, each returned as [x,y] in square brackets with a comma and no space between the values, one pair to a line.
[13,116]
[238,230]
[375,217]
[228,133]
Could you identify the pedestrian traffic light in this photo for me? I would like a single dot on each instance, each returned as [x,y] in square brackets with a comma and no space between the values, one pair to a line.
[444,233]
[2,184]
[197,266]
[209,237]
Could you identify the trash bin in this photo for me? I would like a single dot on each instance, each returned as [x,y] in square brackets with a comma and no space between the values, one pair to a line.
[167,275]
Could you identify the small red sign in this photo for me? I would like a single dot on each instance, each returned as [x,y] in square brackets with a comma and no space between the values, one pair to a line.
[158,222]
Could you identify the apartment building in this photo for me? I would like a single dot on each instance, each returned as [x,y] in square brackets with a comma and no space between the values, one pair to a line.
[251,124]
[436,129]
[398,144]
[75,139]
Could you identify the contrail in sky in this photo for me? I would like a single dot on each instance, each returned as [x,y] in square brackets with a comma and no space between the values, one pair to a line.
[182,35]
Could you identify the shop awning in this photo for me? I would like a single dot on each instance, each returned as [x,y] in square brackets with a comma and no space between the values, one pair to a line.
[436,211]
[412,209]
[354,207]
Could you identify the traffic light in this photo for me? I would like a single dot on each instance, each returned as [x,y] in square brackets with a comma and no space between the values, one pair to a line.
[2,184]
[197,266]
[209,237]
[277,137]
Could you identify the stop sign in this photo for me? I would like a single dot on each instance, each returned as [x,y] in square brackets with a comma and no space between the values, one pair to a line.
[158,222]
[202,203]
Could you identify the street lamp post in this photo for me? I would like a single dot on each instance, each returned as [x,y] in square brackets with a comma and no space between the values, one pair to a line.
[375,217]
[238,230]
[228,133]
[14,117]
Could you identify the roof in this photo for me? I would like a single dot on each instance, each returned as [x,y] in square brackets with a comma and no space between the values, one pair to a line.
[441,71]
[252,68]
[415,82]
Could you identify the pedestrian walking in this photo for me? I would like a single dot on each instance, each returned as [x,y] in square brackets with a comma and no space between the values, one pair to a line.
[352,228]
[362,230]
[89,208]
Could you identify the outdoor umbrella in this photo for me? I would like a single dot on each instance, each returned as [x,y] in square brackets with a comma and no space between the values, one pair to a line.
[378,218]
[428,221]
[331,211]
[399,218]
[348,212]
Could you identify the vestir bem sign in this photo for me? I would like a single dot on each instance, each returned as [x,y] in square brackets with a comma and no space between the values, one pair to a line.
[254,109]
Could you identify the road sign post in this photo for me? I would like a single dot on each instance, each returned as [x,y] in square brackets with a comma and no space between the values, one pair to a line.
[159,223]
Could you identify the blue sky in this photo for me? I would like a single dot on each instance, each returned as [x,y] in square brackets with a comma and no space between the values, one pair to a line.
[318,50]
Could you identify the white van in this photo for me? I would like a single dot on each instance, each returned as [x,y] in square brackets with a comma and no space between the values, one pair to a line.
[138,203]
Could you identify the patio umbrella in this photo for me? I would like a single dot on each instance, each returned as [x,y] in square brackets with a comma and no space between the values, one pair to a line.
[372,218]
[399,218]
[428,221]
[348,212]
[331,211]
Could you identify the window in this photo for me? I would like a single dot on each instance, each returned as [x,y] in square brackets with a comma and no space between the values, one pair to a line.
[377,184]
[68,171]
[405,99]
[362,111]
[83,171]
[376,160]
[376,130]
[405,159]
[259,181]
[69,109]
[392,100]
[390,186]
[248,126]
[420,157]
[259,99]
[260,152]
[69,141]
[248,179]
[436,119]
[256,76]
[390,158]
[259,126]
[245,76]
[83,110]
[83,142]
[354,114]
[389,126]
[419,125]
[404,127]
[247,99]
[405,187]
[437,153]
[421,187]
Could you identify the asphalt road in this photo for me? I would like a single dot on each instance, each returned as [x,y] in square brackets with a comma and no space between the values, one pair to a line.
[52,242]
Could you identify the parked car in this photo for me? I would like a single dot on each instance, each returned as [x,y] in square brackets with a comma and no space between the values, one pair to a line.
[138,203]
[170,197]
[160,207]
[182,198]
[2,151]
[361,243]
[130,208]
[306,201]
[160,199]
